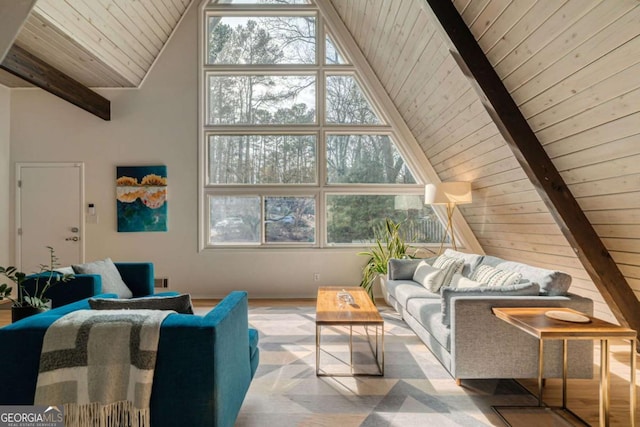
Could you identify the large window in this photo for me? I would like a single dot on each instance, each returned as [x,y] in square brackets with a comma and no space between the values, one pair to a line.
[351,217]
[256,220]
[365,159]
[346,103]
[262,159]
[256,99]
[261,40]
[296,152]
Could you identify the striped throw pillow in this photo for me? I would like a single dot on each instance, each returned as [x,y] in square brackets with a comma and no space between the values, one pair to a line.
[494,277]
[450,266]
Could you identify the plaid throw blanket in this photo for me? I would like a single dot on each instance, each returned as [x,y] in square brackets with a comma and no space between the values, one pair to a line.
[100,365]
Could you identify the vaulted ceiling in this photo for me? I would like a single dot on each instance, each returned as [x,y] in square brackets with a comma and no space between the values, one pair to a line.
[99,43]
[571,70]
[572,67]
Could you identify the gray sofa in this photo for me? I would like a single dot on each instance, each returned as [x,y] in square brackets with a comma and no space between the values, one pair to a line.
[460,329]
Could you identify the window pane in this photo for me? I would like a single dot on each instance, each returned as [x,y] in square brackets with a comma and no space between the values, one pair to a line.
[352,218]
[234,219]
[261,99]
[262,159]
[369,159]
[346,104]
[332,55]
[290,219]
[261,40]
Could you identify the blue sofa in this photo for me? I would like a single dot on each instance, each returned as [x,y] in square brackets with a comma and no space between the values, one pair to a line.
[204,366]
[138,276]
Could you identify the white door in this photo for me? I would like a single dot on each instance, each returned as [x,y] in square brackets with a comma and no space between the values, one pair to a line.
[49,212]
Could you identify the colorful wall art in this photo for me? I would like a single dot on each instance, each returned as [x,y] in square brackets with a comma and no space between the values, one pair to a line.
[142,198]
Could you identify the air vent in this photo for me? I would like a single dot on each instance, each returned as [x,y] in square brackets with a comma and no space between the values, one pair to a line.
[161,282]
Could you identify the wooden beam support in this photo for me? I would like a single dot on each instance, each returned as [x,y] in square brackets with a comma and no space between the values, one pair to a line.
[536,163]
[32,69]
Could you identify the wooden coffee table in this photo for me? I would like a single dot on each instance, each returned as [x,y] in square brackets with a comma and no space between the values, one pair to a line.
[533,321]
[362,312]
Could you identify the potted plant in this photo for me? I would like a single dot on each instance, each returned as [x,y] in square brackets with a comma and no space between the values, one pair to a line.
[28,303]
[389,244]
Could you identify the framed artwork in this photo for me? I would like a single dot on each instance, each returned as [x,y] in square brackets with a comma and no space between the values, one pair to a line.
[141,193]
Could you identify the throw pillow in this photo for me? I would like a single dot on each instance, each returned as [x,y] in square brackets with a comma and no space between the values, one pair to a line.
[64,270]
[450,266]
[551,282]
[112,282]
[177,303]
[521,289]
[460,282]
[402,269]
[471,261]
[494,277]
[428,276]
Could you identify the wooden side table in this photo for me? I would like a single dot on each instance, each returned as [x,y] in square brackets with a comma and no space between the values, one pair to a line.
[361,312]
[533,321]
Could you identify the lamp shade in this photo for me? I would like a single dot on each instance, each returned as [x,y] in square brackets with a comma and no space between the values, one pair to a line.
[458,193]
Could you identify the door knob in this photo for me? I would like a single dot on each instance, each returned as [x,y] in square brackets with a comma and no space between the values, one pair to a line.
[74,229]
[74,238]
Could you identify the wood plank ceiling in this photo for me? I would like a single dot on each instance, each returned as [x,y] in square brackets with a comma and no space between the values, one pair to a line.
[572,68]
[99,43]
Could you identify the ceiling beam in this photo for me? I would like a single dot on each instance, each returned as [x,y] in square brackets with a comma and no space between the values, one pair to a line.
[32,69]
[536,163]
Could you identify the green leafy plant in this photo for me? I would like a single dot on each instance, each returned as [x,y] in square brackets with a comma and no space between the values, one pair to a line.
[43,281]
[389,244]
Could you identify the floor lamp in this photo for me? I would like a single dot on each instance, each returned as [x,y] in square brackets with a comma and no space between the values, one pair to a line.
[449,194]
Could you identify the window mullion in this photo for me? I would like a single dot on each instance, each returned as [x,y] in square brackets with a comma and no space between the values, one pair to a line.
[358,129]
[260,10]
[321,154]
[269,69]
[261,130]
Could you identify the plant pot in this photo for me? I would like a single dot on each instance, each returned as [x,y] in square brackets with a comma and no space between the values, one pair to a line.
[382,280]
[19,313]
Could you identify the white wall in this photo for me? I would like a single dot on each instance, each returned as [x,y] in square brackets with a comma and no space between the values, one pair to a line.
[5,206]
[158,124]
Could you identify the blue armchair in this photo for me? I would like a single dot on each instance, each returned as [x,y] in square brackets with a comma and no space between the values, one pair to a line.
[138,276]
[203,371]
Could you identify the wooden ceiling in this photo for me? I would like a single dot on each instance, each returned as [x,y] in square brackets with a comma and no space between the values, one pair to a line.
[572,69]
[99,43]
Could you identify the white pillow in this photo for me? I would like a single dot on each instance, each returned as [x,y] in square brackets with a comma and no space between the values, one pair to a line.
[65,270]
[494,277]
[450,266]
[460,282]
[430,277]
[112,282]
